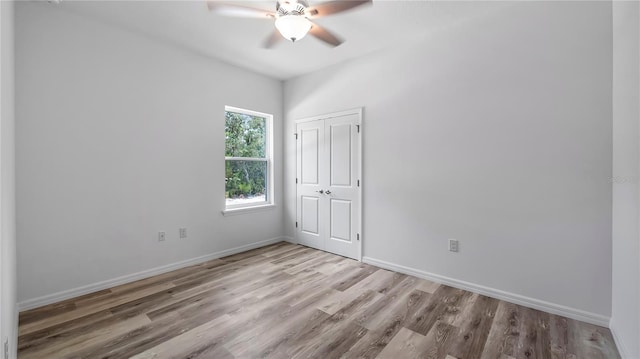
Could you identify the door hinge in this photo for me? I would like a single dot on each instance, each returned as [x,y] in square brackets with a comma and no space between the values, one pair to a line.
[358,236]
[296,180]
[296,224]
[296,134]
[358,128]
[358,183]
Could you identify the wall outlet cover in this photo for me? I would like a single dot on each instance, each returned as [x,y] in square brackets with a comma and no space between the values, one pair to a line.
[453,245]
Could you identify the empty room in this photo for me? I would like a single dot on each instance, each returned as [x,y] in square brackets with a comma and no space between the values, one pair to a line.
[319,179]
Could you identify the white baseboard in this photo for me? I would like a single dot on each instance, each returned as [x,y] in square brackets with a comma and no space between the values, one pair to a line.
[619,343]
[75,292]
[548,307]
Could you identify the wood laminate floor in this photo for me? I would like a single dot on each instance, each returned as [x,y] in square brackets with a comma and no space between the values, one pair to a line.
[289,301]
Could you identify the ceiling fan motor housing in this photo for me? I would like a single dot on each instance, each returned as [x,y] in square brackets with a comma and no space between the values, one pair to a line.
[291,7]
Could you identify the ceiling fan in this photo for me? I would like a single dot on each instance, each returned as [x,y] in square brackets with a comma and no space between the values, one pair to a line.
[292,18]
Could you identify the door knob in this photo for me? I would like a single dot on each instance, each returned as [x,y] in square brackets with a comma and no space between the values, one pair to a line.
[327,192]
[320,191]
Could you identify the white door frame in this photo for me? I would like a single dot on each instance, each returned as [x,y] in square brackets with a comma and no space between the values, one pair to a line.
[355,111]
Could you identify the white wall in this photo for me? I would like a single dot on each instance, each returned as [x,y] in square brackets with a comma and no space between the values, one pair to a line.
[8,312]
[120,137]
[496,132]
[625,316]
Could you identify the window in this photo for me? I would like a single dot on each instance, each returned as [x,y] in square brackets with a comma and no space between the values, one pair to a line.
[248,167]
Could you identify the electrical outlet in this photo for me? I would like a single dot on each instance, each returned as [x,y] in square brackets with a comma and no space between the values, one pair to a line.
[453,245]
[161,236]
[183,233]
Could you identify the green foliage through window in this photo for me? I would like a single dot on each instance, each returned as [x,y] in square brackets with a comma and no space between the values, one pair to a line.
[245,136]
[246,173]
[245,179]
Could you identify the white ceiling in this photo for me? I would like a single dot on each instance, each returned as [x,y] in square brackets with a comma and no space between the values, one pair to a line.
[366,29]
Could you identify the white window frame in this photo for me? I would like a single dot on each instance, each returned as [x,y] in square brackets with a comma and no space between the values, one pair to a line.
[269,203]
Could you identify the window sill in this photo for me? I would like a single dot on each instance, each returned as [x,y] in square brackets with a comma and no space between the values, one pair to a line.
[245,210]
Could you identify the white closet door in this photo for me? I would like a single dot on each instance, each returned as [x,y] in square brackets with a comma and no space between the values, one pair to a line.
[341,192]
[328,192]
[310,207]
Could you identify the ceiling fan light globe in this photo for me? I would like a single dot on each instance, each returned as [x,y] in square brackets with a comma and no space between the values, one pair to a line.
[293,27]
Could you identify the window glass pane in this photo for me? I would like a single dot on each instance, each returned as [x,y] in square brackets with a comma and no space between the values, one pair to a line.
[246,136]
[246,182]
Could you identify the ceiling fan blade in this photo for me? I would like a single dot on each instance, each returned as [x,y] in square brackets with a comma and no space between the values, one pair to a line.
[324,35]
[332,7]
[273,39]
[238,11]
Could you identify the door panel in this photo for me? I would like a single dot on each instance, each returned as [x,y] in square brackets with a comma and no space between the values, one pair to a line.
[328,193]
[309,215]
[340,150]
[340,222]
[309,148]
